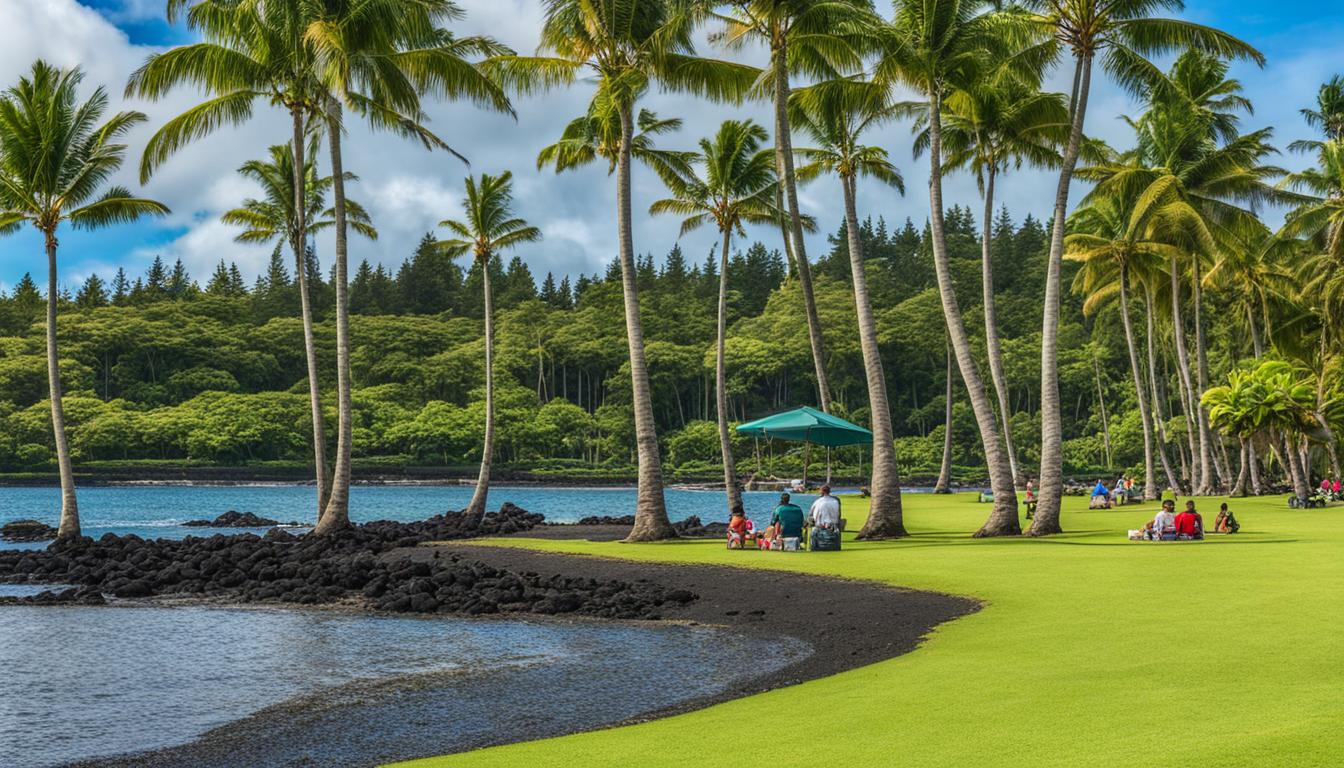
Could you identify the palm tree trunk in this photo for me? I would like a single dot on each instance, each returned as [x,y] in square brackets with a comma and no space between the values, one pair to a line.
[1208,459]
[1046,519]
[784,161]
[1105,420]
[1257,487]
[1159,418]
[300,245]
[721,383]
[651,521]
[476,509]
[1257,346]
[995,352]
[945,469]
[1189,405]
[1297,472]
[1003,518]
[69,525]
[1145,417]
[885,518]
[337,514]
[1240,488]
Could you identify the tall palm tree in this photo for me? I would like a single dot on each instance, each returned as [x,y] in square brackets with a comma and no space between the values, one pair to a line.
[627,45]
[56,156]
[835,114]
[736,186]
[817,38]
[1110,235]
[1328,116]
[1237,409]
[273,218]
[1122,33]
[250,51]
[989,126]
[933,46]
[489,227]
[377,58]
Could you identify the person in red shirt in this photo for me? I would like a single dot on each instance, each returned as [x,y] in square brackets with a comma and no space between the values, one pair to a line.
[1190,524]
[737,529]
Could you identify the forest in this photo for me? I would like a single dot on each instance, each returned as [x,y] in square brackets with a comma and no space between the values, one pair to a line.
[160,367]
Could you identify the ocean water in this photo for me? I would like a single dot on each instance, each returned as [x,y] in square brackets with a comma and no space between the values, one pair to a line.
[84,682]
[159,511]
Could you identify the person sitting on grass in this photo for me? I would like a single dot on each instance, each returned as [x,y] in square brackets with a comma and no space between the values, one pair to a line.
[738,526]
[1226,522]
[826,509]
[769,538]
[1189,524]
[1101,498]
[788,521]
[1163,525]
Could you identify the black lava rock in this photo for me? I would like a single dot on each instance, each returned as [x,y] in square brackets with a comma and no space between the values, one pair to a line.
[234,519]
[27,530]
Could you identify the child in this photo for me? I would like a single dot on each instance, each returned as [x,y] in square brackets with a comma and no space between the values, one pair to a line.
[738,526]
[769,538]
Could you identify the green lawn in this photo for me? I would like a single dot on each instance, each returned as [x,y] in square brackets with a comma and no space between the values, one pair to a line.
[1091,650]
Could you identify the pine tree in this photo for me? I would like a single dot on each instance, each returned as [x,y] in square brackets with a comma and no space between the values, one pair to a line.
[673,277]
[566,294]
[179,282]
[156,281]
[549,294]
[27,301]
[219,281]
[429,282]
[362,300]
[92,294]
[120,287]
[518,284]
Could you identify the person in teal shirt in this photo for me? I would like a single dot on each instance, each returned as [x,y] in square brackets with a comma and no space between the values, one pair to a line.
[788,518]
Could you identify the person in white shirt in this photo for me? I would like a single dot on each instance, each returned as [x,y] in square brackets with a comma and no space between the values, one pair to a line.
[825,511]
[1164,521]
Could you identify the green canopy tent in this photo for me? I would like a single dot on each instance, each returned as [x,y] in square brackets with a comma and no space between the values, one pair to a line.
[810,426]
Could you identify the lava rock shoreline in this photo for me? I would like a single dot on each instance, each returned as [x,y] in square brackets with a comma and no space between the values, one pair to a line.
[352,565]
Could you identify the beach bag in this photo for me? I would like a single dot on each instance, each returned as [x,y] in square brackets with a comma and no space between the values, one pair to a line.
[1137,535]
[825,540]
[791,544]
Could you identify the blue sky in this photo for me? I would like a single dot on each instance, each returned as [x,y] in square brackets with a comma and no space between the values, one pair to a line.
[408,191]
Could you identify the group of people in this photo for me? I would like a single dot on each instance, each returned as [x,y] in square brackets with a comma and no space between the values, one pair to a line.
[789,525]
[1120,493]
[1167,525]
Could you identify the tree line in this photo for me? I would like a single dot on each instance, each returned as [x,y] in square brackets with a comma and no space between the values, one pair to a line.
[1174,219]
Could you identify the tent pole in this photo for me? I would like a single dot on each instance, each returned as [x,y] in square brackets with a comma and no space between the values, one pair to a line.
[828,465]
[807,459]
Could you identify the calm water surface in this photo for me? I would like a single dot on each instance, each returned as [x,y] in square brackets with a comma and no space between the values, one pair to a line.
[82,682]
[159,511]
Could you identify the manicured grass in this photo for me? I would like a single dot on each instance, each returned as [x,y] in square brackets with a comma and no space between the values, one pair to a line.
[1091,650]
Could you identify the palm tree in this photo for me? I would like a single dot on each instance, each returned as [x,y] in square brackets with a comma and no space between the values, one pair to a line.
[250,52]
[1237,408]
[1122,33]
[1329,113]
[1109,235]
[835,114]
[273,217]
[988,126]
[737,187]
[933,46]
[56,155]
[817,38]
[377,58]
[489,228]
[627,45]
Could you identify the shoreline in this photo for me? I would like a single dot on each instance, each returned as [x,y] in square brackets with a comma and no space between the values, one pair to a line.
[847,624]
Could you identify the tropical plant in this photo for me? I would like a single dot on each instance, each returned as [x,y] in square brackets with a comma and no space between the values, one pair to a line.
[1122,33]
[489,228]
[627,45]
[377,58]
[989,126]
[1111,235]
[1327,117]
[736,186]
[933,46]
[56,156]
[273,218]
[820,39]
[835,114]
[249,52]
[1237,408]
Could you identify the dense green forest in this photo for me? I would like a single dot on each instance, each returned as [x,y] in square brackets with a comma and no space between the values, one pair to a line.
[163,367]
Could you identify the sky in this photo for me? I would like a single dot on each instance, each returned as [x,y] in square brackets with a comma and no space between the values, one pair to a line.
[408,190]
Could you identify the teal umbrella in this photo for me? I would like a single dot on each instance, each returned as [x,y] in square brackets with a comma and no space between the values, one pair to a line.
[808,425]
